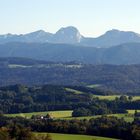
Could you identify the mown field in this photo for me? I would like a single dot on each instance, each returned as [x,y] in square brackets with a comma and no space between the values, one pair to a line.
[101,97]
[113,97]
[54,114]
[73,137]
[68,115]
[127,117]
[74,91]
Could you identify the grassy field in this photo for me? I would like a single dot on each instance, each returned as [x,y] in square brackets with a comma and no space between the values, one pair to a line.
[101,97]
[74,137]
[74,91]
[18,66]
[136,98]
[127,117]
[113,97]
[94,86]
[67,115]
[132,111]
[55,114]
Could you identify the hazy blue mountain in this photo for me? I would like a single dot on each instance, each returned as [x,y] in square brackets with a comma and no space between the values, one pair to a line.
[68,35]
[122,54]
[38,36]
[71,35]
[112,38]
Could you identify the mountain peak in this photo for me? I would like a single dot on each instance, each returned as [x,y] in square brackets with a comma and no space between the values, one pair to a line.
[69,28]
[113,31]
[116,31]
[39,32]
[68,34]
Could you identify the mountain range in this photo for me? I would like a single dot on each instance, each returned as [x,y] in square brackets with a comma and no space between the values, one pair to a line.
[67,44]
[71,35]
[118,55]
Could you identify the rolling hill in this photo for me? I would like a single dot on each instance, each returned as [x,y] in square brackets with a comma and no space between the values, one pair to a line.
[118,78]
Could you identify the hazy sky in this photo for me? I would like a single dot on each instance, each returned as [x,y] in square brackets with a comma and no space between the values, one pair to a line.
[91,17]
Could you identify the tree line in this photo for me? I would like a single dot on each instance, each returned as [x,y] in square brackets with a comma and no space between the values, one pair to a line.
[103,126]
[23,99]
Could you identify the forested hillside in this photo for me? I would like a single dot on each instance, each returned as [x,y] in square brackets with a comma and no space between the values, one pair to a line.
[118,55]
[123,78]
[19,99]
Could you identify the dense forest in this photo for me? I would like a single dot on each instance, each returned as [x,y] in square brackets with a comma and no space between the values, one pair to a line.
[124,79]
[18,98]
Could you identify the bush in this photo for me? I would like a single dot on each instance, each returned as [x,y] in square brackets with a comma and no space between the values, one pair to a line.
[79,112]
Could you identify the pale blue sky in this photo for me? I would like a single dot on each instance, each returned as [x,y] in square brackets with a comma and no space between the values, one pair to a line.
[91,17]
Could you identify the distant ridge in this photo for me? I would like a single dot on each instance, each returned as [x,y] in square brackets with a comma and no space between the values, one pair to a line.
[71,35]
[123,54]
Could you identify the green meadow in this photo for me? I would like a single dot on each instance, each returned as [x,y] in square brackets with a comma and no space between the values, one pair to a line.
[67,115]
[113,97]
[101,97]
[126,117]
[74,137]
[54,114]
[74,91]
